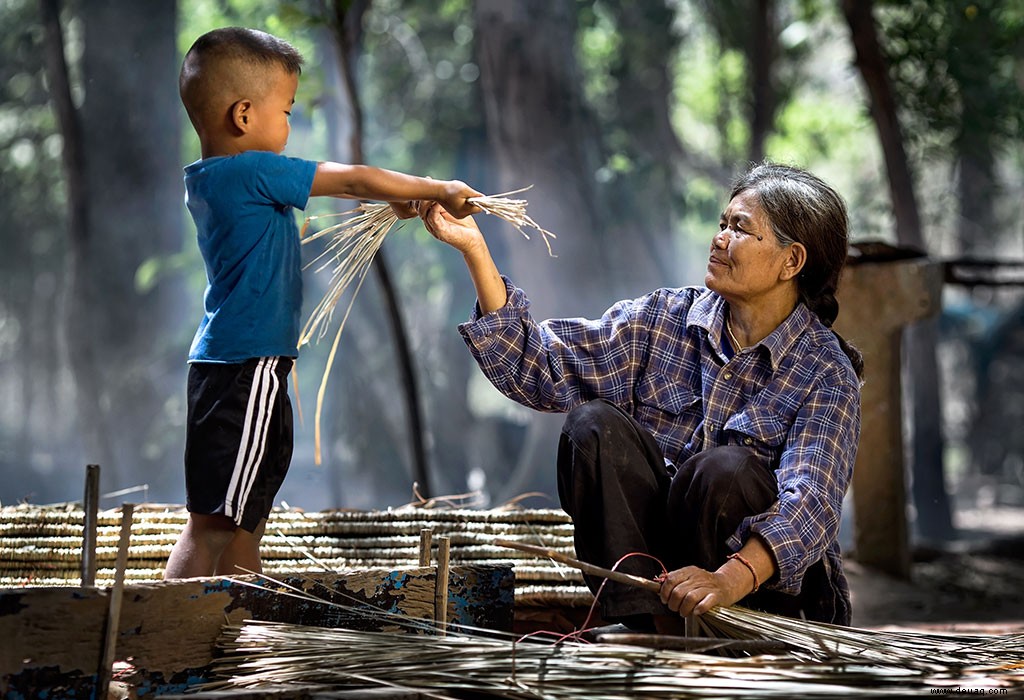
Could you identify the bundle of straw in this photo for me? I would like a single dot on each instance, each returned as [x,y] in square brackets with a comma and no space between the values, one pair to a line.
[353,244]
[514,212]
[276,655]
[825,660]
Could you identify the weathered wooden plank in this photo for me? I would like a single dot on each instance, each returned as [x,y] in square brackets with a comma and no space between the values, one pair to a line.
[52,637]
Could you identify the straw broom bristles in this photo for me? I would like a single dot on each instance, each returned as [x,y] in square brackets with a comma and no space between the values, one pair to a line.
[353,245]
[826,660]
[514,212]
[276,655]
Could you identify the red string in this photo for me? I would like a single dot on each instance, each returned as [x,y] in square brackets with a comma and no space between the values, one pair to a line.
[576,634]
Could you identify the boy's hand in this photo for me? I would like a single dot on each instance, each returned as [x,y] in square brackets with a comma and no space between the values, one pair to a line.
[404,210]
[456,199]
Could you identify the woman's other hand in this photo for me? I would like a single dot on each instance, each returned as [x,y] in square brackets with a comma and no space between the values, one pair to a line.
[693,591]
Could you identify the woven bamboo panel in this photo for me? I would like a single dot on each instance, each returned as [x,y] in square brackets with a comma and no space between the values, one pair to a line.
[41,545]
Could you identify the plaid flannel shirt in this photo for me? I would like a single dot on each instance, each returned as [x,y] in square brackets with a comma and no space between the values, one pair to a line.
[793,397]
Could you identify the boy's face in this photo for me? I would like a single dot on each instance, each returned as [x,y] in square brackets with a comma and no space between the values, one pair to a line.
[270,128]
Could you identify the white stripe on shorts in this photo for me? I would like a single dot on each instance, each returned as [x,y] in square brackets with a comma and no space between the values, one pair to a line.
[254,437]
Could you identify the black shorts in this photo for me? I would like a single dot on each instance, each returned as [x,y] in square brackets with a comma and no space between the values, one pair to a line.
[238,441]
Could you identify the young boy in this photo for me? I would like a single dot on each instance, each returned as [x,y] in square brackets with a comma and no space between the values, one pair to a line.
[238,87]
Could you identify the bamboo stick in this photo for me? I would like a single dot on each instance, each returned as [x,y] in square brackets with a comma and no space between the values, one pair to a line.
[617,576]
[90,504]
[441,584]
[114,611]
[425,535]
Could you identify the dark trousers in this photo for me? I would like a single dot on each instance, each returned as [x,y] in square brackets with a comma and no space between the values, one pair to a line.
[614,483]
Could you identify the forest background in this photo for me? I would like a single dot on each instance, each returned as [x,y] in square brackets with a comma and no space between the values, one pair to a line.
[629,119]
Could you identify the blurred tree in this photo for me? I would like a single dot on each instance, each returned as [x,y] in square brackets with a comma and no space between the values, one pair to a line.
[921,368]
[409,120]
[770,71]
[643,153]
[955,64]
[419,83]
[541,133]
[32,219]
[345,19]
[124,207]
[959,64]
[874,69]
[757,40]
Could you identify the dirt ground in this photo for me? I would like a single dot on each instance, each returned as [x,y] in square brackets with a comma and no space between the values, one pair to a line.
[973,583]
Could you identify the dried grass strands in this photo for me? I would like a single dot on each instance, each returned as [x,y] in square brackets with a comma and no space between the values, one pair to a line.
[514,212]
[353,244]
[276,655]
[907,648]
[953,653]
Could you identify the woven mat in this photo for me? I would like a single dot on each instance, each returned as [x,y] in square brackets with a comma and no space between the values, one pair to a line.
[41,545]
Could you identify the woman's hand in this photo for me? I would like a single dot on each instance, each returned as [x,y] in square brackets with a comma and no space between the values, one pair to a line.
[693,591]
[461,234]
[464,236]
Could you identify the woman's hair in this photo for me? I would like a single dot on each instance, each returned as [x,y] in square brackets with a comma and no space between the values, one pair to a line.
[804,209]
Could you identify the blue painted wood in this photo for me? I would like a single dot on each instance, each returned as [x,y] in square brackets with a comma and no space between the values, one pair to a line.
[52,637]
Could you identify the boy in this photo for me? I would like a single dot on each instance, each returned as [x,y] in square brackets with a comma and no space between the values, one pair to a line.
[238,87]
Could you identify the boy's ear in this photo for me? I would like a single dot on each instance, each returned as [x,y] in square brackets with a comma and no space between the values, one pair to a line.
[242,115]
[796,258]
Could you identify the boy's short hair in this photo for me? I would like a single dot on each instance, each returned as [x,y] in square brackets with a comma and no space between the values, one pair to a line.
[227,64]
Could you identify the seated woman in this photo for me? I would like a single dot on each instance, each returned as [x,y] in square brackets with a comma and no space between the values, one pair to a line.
[713,428]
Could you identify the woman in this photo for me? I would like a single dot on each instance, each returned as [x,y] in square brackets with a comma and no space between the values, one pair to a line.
[713,428]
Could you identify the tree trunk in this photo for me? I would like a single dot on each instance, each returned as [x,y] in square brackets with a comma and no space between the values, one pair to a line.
[79,296]
[121,164]
[540,134]
[346,23]
[874,71]
[131,156]
[649,201]
[922,369]
[976,193]
[761,60]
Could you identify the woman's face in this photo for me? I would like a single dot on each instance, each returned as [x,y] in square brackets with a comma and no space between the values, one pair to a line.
[746,258]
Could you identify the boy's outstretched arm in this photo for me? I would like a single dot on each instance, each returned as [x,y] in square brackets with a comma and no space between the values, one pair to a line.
[368,182]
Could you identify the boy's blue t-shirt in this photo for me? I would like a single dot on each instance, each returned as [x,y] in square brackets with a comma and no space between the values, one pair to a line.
[242,207]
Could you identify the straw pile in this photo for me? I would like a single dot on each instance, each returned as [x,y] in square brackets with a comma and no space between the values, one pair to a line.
[41,546]
[823,661]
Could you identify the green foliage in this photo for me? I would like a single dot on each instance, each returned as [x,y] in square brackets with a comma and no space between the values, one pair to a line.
[33,213]
[709,114]
[599,45]
[956,68]
[417,83]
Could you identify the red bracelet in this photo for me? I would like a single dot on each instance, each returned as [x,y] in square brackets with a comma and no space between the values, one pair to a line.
[740,558]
